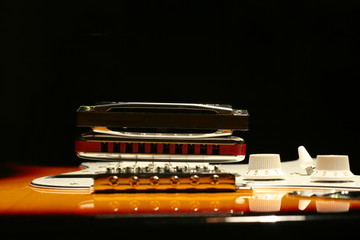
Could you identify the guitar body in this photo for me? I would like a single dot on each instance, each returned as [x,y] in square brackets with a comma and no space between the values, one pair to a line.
[80,212]
[20,198]
[23,199]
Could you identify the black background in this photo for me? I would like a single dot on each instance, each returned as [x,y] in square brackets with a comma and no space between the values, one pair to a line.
[293,66]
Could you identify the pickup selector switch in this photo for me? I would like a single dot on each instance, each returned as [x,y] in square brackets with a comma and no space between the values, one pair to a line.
[332,168]
[264,167]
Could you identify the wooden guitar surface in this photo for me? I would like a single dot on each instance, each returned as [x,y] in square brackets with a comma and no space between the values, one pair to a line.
[19,198]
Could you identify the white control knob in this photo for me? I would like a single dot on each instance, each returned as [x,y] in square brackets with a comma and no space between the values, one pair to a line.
[265,202]
[264,166]
[332,206]
[332,168]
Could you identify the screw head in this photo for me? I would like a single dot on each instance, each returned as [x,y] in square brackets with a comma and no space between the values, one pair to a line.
[215,179]
[154,180]
[174,180]
[113,180]
[134,181]
[194,180]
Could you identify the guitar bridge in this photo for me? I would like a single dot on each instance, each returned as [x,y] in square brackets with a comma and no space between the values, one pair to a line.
[167,178]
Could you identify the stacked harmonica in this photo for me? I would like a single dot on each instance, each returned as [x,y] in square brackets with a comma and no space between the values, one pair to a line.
[170,133]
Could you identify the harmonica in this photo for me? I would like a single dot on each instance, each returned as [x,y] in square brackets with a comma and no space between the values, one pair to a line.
[113,148]
[176,132]
[126,116]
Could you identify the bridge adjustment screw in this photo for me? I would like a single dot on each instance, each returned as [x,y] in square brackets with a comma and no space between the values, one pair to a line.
[194,180]
[134,181]
[113,180]
[154,180]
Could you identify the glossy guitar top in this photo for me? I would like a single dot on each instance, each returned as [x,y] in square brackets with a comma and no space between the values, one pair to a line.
[79,213]
[19,198]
